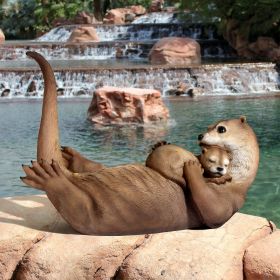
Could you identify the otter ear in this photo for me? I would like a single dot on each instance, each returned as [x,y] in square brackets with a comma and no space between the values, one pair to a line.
[243,119]
[204,150]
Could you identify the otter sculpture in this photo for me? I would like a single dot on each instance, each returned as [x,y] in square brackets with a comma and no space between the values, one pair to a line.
[133,198]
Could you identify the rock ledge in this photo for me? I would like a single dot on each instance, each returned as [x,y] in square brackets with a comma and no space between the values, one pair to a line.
[35,243]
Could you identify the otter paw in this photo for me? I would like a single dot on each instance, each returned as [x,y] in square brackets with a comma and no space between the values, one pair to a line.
[42,175]
[192,167]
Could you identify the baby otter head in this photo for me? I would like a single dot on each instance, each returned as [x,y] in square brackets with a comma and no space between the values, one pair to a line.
[215,161]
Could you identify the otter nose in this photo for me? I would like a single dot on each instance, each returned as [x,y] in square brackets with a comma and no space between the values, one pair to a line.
[200,137]
[220,169]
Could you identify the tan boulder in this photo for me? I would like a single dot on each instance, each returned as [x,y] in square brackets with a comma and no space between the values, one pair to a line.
[64,257]
[115,16]
[123,15]
[24,221]
[214,254]
[156,6]
[83,34]
[118,105]
[263,45]
[175,50]
[36,243]
[2,37]
[262,259]
[138,10]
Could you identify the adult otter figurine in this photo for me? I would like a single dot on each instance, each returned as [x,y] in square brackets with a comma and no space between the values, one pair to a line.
[169,160]
[133,198]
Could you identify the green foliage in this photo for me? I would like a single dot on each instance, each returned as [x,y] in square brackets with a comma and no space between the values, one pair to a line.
[48,11]
[255,17]
[24,19]
[125,3]
[16,19]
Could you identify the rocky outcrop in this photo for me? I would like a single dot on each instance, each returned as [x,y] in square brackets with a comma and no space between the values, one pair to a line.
[156,6]
[111,105]
[81,18]
[263,47]
[83,34]
[175,50]
[2,37]
[123,15]
[262,259]
[35,243]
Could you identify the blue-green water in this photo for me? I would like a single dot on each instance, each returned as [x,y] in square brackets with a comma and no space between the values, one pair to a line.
[116,145]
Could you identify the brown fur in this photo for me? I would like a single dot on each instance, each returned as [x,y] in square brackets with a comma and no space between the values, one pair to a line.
[134,198]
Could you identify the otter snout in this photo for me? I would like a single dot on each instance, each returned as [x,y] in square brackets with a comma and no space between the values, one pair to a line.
[200,137]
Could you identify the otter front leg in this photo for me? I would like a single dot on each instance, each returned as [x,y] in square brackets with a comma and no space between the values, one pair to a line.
[73,204]
[214,206]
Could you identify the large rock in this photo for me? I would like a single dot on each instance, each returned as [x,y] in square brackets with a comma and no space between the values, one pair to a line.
[2,37]
[138,10]
[83,34]
[118,105]
[196,254]
[35,243]
[262,259]
[115,16]
[24,221]
[175,50]
[70,256]
[156,6]
[123,15]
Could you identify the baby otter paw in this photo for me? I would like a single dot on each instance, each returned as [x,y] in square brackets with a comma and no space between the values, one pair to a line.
[220,180]
[160,143]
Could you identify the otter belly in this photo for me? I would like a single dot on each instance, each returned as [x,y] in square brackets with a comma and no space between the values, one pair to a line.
[134,199]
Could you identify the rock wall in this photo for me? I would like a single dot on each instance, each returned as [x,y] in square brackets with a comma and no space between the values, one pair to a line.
[35,243]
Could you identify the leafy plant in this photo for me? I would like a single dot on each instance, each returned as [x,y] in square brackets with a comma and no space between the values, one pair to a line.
[23,19]
[124,3]
[253,17]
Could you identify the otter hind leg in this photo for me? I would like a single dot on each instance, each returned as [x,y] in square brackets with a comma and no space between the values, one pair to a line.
[77,163]
[74,205]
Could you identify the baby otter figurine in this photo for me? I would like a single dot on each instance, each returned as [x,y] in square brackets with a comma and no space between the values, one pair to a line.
[214,160]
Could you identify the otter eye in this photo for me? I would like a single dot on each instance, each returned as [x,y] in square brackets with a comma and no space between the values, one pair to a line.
[221,129]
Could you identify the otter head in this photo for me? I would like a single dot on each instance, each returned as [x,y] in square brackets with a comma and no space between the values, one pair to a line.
[228,134]
[215,161]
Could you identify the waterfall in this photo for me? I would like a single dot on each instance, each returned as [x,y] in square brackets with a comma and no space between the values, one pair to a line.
[157,17]
[103,50]
[224,79]
[135,32]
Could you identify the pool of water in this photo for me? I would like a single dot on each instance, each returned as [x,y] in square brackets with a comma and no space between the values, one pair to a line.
[19,122]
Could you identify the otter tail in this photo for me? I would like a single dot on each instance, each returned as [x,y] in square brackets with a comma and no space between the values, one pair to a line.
[48,146]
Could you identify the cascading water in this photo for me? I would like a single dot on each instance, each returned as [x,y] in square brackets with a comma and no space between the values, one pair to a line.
[230,79]
[103,50]
[120,59]
[158,17]
[134,32]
